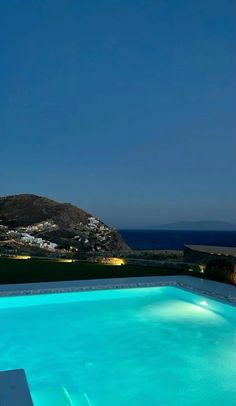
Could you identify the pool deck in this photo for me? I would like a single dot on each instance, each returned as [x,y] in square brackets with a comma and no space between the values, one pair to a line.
[215,290]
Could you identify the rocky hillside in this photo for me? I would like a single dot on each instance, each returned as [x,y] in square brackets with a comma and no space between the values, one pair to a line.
[37,225]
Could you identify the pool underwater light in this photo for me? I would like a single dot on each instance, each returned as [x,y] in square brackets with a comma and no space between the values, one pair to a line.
[204,303]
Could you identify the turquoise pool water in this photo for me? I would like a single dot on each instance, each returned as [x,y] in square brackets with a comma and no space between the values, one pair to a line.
[145,346]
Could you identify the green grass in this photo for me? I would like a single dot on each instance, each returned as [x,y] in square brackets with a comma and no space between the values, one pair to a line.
[26,271]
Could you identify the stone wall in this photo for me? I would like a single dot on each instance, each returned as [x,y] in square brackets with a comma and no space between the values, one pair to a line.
[198,257]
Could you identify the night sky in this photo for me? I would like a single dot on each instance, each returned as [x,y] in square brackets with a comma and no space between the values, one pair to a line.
[124,108]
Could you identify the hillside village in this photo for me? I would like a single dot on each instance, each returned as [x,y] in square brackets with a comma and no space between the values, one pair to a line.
[92,234]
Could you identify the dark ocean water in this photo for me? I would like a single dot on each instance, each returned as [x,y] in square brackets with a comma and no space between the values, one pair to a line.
[165,239]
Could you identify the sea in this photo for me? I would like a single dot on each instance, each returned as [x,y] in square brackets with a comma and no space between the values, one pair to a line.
[175,240]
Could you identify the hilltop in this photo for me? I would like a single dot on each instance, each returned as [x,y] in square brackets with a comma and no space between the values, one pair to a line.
[38,225]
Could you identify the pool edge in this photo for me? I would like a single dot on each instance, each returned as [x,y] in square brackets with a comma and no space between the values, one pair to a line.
[214,290]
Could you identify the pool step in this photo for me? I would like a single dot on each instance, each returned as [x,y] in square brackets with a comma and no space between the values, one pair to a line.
[51,397]
[80,399]
[59,397]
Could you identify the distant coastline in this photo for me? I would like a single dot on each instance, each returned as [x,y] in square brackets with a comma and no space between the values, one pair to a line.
[176,239]
[196,226]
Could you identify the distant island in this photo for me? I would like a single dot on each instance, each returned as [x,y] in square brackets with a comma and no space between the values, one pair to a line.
[36,225]
[198,226]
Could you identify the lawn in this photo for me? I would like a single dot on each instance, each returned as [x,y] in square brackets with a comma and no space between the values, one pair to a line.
[32,270]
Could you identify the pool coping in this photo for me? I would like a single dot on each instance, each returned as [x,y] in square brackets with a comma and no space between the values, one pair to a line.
[211,289]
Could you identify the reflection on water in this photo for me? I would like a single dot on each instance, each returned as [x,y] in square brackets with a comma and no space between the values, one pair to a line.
[179,310]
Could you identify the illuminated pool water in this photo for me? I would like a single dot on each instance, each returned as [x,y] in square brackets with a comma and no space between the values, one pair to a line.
[145,346]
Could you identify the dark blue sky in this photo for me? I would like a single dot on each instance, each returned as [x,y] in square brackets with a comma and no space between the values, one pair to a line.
[124,108]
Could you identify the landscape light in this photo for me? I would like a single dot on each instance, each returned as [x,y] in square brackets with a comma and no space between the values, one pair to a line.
[112,261]
[65,260]
[202,268]
[21,257]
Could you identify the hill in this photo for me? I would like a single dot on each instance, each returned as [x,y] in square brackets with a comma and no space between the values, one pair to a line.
[37,225]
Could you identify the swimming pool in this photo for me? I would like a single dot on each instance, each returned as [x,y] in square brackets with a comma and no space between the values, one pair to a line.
[142,346]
